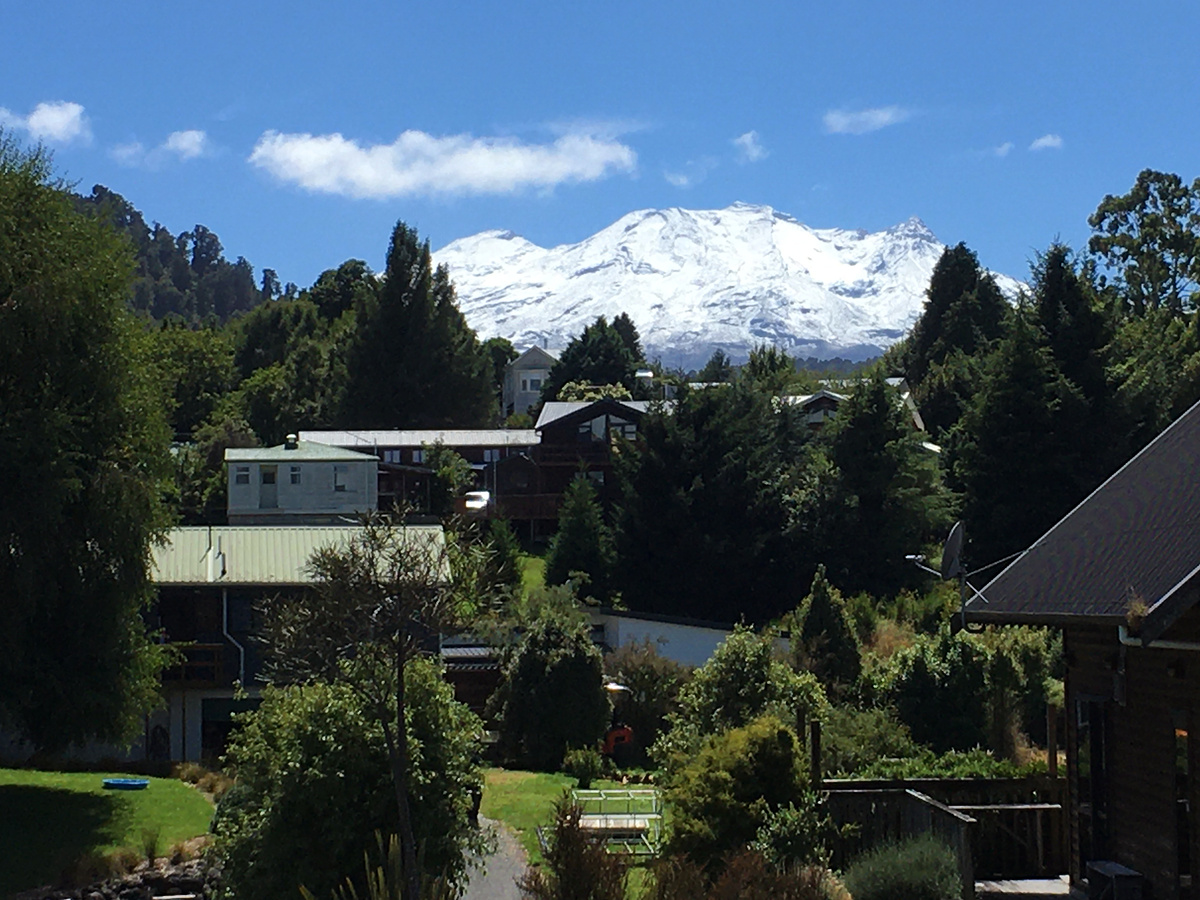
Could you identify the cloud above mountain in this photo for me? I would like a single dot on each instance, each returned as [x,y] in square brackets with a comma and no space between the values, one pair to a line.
[417,163]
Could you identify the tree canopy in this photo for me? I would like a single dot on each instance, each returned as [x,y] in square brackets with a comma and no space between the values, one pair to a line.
[601,354]
[83,452]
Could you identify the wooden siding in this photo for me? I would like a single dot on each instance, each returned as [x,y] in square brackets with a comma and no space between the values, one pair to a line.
[1140,688]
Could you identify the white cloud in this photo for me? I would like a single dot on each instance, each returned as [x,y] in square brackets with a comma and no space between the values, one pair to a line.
[1047,142]
[420,163]
[1004,149]
[186,144]
[750,148]
[694,171]
[863,121]
[130,155]
[59,122]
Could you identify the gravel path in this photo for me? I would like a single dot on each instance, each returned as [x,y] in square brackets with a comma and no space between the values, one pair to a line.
[498,879]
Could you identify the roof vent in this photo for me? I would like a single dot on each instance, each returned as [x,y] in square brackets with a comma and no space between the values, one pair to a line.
[291,442]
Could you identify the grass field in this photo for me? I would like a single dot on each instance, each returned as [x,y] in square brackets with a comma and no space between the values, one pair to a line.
[50,819]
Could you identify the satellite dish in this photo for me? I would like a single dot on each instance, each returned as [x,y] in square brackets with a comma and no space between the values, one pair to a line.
[952,552]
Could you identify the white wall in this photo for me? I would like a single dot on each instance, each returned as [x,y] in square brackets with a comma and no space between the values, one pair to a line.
[691,645]
[314,494]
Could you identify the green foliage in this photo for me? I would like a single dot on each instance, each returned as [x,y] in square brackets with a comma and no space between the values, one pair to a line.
[700,524]
[919,868]
[577,864]
[552,694]
[870,494]
[855,740]
[452,475]
[314,784]
[582,546]
[83,453]
[721,795]
[624,326]
[1151,238]
[584,764]
[747,875]
[824,642]
[654,683]
[384,877]
[739,683]
[196,365]
[579,390]
[974,763]
[798,834]
[413,361]
[718,369]
[503,567]
[600,355]
[1020,440]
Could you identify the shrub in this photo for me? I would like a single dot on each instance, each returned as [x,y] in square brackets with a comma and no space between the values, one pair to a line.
[552,696]
[314,784]
[920,868]
[585,766]
[740,682]
[654,683]
[577,865]
[852,740]
[796,835]
[745,876]
[824,641]
[722,795]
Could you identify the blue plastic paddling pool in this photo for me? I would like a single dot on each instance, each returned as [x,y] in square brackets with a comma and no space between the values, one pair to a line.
[126,784]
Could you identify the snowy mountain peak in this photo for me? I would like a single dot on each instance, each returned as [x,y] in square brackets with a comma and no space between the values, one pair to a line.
[695,280]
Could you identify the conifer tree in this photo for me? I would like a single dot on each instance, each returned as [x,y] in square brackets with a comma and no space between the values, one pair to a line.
[826,644]
[414,362]
[1068,310]
[600,355]
[629,334]
[1018,460]
[582,543]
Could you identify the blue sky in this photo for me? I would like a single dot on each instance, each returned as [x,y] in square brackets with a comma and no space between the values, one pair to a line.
[300,132]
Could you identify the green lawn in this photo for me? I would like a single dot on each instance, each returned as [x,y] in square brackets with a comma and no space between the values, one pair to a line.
[533,572]
[49,819]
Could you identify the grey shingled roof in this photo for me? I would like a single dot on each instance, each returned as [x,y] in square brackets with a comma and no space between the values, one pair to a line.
[1138,534]
[304,451]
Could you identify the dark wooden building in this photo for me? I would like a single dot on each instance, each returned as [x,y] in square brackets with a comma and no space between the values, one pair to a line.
[1120,575]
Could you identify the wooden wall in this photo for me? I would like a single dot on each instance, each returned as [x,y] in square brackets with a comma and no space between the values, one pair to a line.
[1141,689]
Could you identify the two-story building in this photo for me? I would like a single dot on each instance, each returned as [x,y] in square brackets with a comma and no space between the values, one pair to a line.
[300,481]
[523,380]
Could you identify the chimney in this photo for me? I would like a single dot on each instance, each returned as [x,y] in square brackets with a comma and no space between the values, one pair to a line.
[291,442]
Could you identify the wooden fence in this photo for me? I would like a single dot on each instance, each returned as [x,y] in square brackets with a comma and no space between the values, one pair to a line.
[1019,825]
[880,816]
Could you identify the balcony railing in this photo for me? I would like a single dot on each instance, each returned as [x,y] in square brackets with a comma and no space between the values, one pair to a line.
[203,665]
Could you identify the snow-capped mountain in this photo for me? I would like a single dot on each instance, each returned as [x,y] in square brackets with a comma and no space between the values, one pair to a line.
[695,280]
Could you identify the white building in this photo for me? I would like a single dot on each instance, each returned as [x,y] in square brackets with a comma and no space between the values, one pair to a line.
[300,482]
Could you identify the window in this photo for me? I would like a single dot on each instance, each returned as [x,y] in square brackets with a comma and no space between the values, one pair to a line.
[535,384]
[524,384]
[418,456]
[241,475]
[295,474]
[391,456]
[268,474]
[340,477]
[491,455]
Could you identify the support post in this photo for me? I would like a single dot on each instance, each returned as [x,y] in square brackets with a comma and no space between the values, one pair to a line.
[814,752]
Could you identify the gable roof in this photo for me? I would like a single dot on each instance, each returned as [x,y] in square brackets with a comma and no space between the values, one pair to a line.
[554,410]
[1137,535]
[535,356]
[304,451]
[257,554]
[461,437]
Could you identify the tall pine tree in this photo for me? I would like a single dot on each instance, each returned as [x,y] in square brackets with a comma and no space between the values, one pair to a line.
[414,362]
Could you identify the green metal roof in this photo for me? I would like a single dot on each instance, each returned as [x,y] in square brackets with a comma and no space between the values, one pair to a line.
[304,451]
[259,554]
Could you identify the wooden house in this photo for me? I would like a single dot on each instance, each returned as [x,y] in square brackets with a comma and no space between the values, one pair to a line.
[1120,575]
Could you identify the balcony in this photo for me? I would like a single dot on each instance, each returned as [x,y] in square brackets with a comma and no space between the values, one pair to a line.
[203,665]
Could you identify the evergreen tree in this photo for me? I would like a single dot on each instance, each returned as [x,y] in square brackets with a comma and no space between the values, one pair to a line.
[872,493]
[599,355]
[1068,310]
[1018,460]
[414,362]
[701,519]
[770,367]
[629,334]
[83,456]
[717,369]
[826,644]
[582,543]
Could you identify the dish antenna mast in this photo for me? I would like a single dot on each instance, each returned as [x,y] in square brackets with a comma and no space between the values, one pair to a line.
[952,569]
